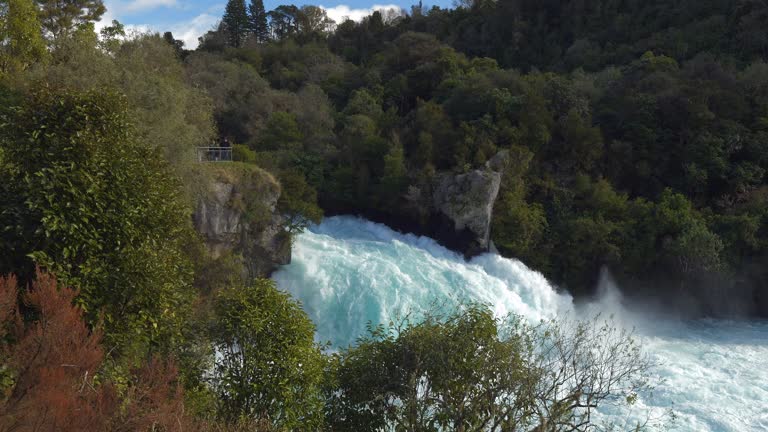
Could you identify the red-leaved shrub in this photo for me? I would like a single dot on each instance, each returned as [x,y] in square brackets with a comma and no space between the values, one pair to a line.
[53,360]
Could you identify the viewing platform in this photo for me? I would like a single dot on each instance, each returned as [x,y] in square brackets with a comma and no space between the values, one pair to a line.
[214,154]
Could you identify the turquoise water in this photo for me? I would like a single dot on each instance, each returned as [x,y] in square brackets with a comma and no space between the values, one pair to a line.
[349,271]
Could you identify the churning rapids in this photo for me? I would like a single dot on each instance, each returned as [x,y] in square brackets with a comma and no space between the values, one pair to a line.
[348,271]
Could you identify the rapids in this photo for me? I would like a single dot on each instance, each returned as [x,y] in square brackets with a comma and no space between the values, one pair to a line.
[348,272]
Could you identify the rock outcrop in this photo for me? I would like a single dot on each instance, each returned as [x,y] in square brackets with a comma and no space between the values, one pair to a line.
[238,215]
[459,207]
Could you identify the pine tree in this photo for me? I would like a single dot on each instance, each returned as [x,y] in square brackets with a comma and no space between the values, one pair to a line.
[235,23]
[257,18]
[60,18]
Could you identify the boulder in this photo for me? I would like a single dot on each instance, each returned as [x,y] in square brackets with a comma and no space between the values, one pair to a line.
[460,206]
[466,202]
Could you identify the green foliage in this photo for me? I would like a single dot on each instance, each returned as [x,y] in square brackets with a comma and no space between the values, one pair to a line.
[235,89]
[178,45]
[437,142]
[290,65]
[470,371]
[284,21]
[21,39]
[580,141]
[62,19]
[170,115]
[235,23]
[281,132]
[270,367]
[110,36]
[92,204]
[517,225]
[395,177]
[257,21]
[213,274]
[364,103]
[241,153]
[686,241]
[697,249]
[313,21]
[570,35]
[298,201]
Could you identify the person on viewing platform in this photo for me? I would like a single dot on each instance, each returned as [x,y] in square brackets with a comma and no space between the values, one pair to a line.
[225,151]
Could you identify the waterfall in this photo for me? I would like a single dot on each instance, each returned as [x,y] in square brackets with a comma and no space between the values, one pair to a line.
[348,272]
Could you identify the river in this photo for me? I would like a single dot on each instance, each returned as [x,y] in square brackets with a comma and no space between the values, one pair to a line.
[348,271]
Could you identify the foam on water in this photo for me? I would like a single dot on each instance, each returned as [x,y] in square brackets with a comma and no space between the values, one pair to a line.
[348,271]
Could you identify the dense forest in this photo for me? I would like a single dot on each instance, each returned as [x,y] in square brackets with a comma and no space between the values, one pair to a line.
[637,130]
[637,137]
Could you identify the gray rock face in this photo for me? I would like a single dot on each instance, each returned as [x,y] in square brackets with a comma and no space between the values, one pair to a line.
[467,201]
[217,221]
[458,208]
[221,220]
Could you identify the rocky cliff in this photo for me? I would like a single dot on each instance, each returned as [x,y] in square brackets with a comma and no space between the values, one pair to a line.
[456,208]
[238,214]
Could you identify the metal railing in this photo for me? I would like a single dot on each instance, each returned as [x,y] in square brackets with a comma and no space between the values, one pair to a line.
[214,154]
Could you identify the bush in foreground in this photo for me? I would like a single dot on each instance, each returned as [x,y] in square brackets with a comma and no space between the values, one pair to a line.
[469,371]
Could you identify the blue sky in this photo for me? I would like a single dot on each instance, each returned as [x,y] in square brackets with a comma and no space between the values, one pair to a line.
[188,19]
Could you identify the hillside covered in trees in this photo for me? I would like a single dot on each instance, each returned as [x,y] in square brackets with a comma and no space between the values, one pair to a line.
[636,137]
[637,130]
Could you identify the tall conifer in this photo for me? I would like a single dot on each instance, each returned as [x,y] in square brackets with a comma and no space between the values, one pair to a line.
[257,17]
[236,24]
[60,18]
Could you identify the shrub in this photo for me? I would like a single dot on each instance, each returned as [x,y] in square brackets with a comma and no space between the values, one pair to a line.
[269,367]
[241,153]
[91,204]
[54,363]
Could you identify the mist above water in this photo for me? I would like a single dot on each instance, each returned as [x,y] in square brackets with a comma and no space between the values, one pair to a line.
[348,272]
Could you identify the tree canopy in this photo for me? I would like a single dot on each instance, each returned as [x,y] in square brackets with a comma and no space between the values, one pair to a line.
[85,200]
[469,371]
[61,18]
[257,19]
[21,39]
[236,23]
[270,367]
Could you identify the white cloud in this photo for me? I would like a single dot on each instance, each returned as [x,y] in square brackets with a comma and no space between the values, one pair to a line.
[191,30]
[188,31]
[106,20]
[341,12]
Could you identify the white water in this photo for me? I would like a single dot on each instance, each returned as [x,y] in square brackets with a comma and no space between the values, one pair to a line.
[349,271]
